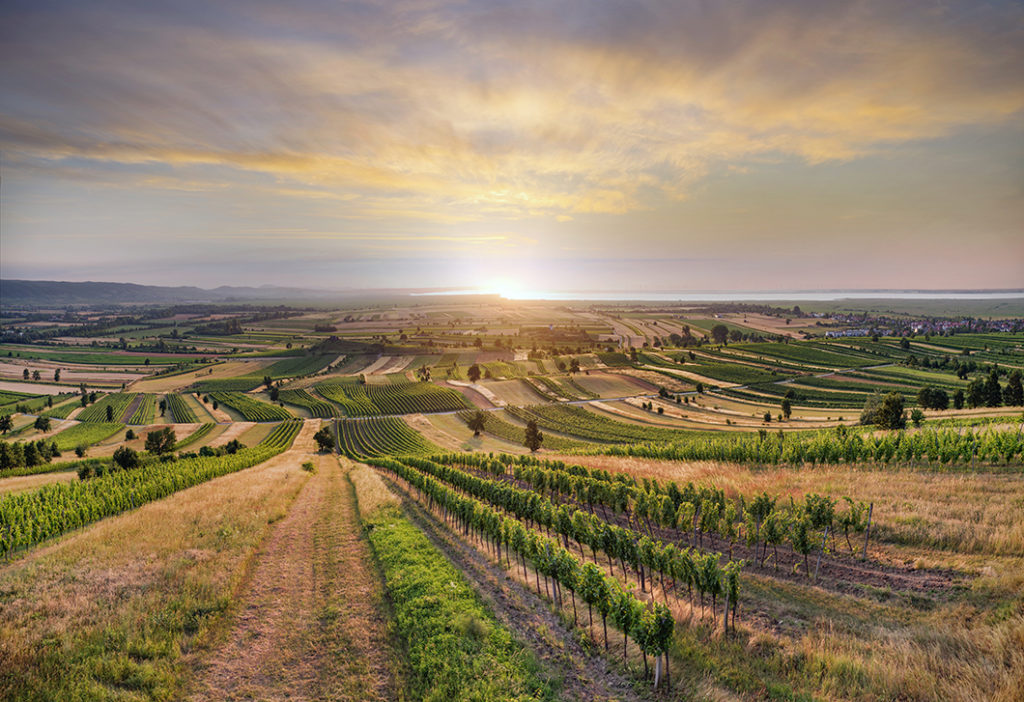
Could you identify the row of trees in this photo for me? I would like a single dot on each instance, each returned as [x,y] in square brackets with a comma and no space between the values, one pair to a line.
[696,512]
[639,552]
[935,446]
[14,455]
[650,625]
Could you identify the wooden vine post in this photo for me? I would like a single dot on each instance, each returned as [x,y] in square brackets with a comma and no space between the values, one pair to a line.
[867,532]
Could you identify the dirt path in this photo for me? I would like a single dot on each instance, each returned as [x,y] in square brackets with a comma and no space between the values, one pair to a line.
[309,624]
[584,676]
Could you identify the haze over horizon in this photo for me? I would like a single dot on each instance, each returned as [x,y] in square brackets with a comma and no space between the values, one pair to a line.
[515,146]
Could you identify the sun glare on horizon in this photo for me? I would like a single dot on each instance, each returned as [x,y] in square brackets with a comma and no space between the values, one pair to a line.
[507,288]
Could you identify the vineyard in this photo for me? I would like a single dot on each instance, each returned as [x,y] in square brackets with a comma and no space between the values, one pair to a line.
[443,666]
[359,400]
[118,403]
[179,409]
[145,411]
[86,434]
[30,518]
[12,398]
[663,540]
[303,398]
[195,437]
[62,408]
[379,436]
[243,383]
[499,519]
[250,409]
[496,425]
[578,422]
[938,447]
[297,366]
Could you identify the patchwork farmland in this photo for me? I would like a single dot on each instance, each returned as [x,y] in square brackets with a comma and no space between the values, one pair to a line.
[638,502]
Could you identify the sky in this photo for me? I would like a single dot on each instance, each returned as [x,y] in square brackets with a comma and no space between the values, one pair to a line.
[515,146]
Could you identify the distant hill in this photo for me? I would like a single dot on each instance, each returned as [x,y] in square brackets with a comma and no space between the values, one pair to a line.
[48,292]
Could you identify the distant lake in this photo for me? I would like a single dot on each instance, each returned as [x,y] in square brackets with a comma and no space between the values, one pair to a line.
[753,296]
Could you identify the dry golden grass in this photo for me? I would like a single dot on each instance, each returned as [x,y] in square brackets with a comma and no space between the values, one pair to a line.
[967,645]
[965,513]
[121,604]
[21,483]
[371,492]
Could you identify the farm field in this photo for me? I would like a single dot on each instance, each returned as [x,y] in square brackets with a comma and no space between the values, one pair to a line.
[648,501]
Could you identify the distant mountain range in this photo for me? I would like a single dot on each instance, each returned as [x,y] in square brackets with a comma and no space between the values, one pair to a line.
[50,292]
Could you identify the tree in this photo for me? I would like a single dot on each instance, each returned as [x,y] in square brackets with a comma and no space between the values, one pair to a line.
[720,333]
[958,399]
[129,435]
[574,366]
[1014,392]
[533,438]
[905,344]
[993,391]
[6,423]
[592,587]
[916,416]
[767,417]
[787,408]
[275,393]
[42,423]
[56,376]
[933,398]
[891,415]
[976,393]
[160,441]
[735,335]
[473,373]
[478,422]
[25,374]
[110,413]
[163,407]
[324,440]
[126,458]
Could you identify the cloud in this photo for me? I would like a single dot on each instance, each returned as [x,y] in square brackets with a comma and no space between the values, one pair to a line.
[498,109]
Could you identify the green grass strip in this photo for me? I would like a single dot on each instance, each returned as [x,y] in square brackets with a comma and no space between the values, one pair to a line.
[456,649]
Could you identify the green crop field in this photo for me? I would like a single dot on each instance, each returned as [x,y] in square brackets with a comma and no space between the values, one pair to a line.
[12,398]
[180,410]
[495,424]
[316,406]
[357,400]
[145,412]
[252,410]
[118,402]
[86,434]
[298,366]
[379,436]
